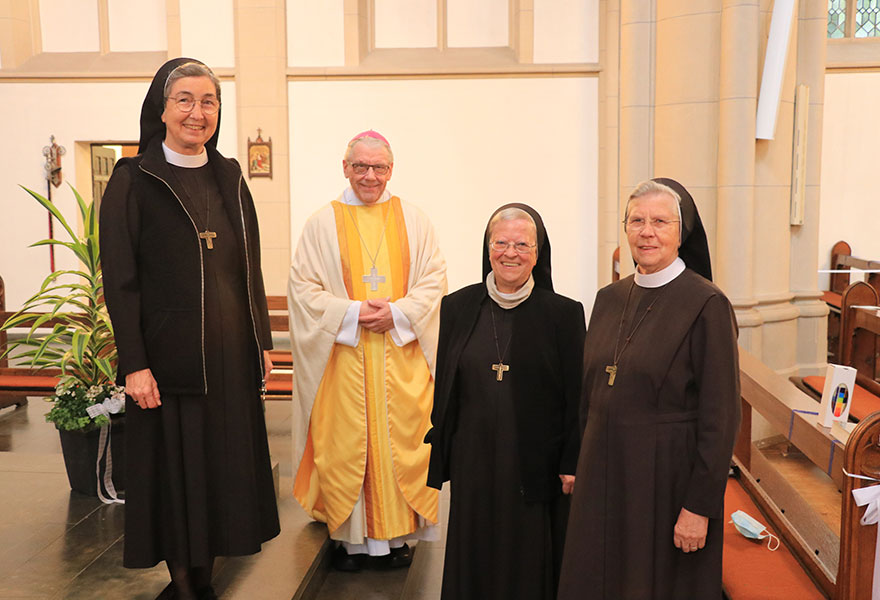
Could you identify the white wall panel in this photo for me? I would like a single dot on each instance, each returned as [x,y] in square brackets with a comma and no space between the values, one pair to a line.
[406,23]
[137,26]
[69,26]
[463,148]
[566,31]
[88,112]
[848,199]
[315,33]
[477,24]
[207,32]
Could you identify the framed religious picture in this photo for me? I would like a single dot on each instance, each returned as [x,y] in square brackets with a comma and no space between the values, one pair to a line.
[259,156]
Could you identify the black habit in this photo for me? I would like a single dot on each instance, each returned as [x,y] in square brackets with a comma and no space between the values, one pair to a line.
[503,444]
[199,482]
[659,440]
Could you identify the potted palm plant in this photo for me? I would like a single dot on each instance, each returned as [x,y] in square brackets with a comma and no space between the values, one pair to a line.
[69,332]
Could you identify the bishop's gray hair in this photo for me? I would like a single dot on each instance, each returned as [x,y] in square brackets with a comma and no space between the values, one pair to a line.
[511,213]
[190,69]
[369,142]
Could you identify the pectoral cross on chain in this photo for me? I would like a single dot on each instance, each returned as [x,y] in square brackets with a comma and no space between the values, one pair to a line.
[499,369]
[374,279]
[612,373]
[208,236]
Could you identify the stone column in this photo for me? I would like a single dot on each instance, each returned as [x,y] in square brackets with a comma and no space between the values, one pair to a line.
[20,37]
[737,103]
[771,229]
[686,102]
[636,132]
[609,174]
[812,328]
[261,94]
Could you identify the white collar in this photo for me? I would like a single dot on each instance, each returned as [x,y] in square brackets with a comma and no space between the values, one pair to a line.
[189,161]
[661,277]
[512,300]
[349,197]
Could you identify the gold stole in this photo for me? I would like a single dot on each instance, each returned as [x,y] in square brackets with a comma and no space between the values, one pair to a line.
[373,405]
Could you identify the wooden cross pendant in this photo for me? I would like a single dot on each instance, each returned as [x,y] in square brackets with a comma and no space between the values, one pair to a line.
[208,236]
[612,373]
[374,279]
[499,369]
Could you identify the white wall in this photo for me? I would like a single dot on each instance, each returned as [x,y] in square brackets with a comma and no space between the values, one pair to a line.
[69,26]
[88,112]
[463,148]
[137,26]
[315,33]
[850,201]
[406,23]
[477,24]
[566,31]
[207,32]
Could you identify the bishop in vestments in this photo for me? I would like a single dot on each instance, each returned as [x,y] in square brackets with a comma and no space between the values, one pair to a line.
[364,299]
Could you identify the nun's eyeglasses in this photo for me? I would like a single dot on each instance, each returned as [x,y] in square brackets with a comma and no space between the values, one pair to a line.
[519,247]
[185,103]
[637,223]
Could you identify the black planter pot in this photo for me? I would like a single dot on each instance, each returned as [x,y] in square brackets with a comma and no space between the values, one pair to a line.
[80,450]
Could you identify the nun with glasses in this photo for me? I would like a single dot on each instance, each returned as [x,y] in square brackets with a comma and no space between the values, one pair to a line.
[180,253]
[662,409]
[505,427]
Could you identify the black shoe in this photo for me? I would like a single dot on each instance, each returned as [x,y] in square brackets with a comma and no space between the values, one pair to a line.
[343,561]
[169,593]
[206,593]
[400,557]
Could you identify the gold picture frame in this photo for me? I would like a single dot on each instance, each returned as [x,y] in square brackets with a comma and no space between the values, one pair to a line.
[260,156]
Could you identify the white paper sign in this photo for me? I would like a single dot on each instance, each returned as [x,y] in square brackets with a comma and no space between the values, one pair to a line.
[840,381]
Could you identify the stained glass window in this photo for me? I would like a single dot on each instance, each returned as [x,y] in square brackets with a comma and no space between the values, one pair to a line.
[867,23]
[836,18]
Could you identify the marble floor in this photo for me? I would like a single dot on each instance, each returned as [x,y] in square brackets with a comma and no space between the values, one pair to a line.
[56,544]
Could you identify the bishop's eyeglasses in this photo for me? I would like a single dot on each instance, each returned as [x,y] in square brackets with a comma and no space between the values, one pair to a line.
[362,168]
[185,103]
[519,247]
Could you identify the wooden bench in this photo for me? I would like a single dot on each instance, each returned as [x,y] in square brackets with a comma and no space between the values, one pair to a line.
[858,348]
[17,383]
[279,384]
[842,259]
[836,556]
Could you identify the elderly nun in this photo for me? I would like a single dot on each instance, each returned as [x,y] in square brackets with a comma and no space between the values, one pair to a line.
[181,261]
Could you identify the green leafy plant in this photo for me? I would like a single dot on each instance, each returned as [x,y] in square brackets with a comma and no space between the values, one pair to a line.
[80,344]
[72,400]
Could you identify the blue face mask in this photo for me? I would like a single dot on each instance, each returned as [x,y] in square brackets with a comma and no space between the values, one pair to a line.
[752,528]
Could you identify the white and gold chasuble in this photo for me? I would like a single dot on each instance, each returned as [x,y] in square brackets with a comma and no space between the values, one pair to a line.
[373,403]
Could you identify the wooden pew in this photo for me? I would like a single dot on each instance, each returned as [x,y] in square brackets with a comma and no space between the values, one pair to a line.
[279,385]
[859,345]
[615,265]
[859,330]
[842,259]
[16,384]
[815,515]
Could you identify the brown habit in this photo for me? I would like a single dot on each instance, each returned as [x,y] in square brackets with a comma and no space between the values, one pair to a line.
[658,440]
